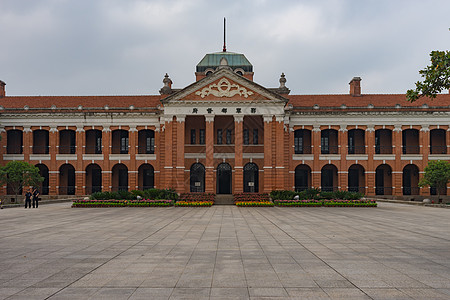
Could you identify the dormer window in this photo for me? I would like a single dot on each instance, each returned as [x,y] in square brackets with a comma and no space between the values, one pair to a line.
[239,73]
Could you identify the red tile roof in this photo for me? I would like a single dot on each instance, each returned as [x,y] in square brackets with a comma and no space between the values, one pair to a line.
[377,100]
[85,101]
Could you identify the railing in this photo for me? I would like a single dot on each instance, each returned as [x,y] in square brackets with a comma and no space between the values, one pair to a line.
[301,188]
[14,150]
[67,190]
[357,189]
[67,149]
[356,149]
[438,149]
[93,189]
[145,187]
[332,149]
[41,149]
[303,150]
[119,188]
[383,190]
[434,191]
[93,149]
[45,190]
[408,190]
[383,149]
[329,188]
[146,150]
[411,149]
[119,150]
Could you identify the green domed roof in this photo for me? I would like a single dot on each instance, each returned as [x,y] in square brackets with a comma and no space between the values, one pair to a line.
[235,60]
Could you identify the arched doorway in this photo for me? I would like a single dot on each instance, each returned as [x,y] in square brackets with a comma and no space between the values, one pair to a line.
[44,186]
[67,180]
[197,178]
[383,180]
[302,177]
[251,182]
[93,179]
[223,178]
[146,177]
[329,178]
[120,178]
[410,180]
[356,179]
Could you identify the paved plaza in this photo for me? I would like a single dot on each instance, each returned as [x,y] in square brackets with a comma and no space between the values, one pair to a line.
[225,252]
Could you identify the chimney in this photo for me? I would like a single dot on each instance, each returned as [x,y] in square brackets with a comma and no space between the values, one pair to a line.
[355,87]
[2,89]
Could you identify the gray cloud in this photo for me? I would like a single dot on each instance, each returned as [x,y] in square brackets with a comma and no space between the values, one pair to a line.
[104,47]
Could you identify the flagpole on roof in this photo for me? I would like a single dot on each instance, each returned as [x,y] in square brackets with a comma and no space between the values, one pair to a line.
[224,44]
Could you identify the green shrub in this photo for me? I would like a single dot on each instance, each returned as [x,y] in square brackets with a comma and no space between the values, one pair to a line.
[138,193]
[327,195]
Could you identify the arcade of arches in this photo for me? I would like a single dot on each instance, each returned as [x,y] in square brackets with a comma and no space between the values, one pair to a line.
[225,134]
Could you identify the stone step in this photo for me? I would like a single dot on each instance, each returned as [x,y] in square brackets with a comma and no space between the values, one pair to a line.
[224,199]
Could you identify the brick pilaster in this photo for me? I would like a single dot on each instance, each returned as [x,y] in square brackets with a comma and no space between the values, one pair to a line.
[238,182]
[268,164]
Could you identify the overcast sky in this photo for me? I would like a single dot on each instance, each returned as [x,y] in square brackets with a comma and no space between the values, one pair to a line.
[124,47]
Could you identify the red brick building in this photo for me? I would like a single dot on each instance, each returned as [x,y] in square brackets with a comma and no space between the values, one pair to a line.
[225,133]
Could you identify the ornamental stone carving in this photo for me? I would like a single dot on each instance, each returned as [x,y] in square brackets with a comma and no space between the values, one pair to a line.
[224,89]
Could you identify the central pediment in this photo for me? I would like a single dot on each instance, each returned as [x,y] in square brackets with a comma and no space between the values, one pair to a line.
[224,88]
[224,85]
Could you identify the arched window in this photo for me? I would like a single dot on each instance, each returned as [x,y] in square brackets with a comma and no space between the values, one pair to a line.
[120,178]
[44,186]
[40,142]
[223,178]
[410,180]
[93,179]
[146,174]
[302,177]
[329,178]
[251,184]
[356,179]
[383,180]
[197,178]
[67,180]
[14,141]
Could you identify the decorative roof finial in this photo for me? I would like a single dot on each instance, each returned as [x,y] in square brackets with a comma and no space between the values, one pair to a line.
[282,81]
[167,88]
[224,44]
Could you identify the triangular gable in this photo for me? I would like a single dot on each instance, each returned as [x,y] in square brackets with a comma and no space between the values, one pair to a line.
[224,85]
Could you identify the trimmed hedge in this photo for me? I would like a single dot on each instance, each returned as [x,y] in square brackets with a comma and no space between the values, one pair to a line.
[254,203]
[315,194]
[247,197]
[327,203]
[194,203]
[152,194]
[121,203]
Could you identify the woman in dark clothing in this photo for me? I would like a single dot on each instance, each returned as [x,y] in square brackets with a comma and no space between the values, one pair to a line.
[28,196]
[35,197]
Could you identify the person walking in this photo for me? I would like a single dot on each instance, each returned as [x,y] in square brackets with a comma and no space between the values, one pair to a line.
[28,196]
[35,197]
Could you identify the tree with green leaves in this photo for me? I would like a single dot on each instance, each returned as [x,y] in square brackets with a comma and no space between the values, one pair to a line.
[437,174]
[437,77]
[19,174]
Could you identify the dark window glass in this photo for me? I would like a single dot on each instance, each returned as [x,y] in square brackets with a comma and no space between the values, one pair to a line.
[351,142]
[202,136]
[246,142]
[298,142]
[124,145]
[228,136]
[325,142]
[219,136]
[255,136]
[192,136]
